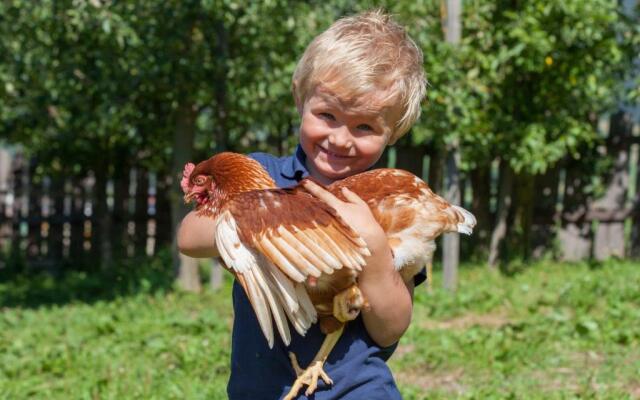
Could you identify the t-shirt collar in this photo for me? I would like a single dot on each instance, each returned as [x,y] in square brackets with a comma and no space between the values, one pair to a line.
[296,168]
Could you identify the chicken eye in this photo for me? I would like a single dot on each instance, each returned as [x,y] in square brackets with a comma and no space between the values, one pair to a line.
[200,180]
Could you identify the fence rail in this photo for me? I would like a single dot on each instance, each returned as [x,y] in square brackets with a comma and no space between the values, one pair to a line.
[49,221]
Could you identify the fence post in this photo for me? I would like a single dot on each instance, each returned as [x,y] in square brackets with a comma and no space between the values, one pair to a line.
[575,231]
[215,279]
[505,198]
[140,215]
[56,219]
[34,211]
[120,210]
[545,199]
[609,235]
[6,212]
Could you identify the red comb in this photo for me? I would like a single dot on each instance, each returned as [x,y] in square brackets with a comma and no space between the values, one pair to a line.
[186,173]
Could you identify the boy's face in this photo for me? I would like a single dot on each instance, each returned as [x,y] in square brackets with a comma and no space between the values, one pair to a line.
[340,138]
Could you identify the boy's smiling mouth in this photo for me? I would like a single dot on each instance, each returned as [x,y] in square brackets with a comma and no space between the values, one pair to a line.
[332,154]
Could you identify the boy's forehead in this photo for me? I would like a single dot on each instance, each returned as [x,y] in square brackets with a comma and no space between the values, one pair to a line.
[371,103]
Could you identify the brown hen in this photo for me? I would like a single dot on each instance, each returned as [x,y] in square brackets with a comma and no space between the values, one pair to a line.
[296,259]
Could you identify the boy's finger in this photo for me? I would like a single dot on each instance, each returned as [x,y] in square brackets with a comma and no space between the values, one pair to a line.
[320,192]
[352,197]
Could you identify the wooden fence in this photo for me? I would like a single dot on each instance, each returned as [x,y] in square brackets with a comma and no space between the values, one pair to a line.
[48,222]
[52,222]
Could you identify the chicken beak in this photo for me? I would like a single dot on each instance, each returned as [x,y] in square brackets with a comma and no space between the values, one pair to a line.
[188,197]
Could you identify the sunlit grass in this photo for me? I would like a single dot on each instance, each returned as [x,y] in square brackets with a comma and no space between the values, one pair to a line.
[550,331]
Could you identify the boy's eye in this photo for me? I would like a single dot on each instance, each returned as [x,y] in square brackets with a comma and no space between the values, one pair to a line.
[365,127]
[328,116]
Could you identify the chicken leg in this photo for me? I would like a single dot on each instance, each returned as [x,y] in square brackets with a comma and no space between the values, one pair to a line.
[315,369]
[348,303]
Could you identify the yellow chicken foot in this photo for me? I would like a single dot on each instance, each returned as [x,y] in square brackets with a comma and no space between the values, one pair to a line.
[315,370]
[347,304]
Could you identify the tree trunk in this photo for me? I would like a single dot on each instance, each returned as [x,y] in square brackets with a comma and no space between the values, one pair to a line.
[634,247]
[545,198]
[523,208]
[216,278]
[140,214]
[184,134]
[451,241]
[499,233]
[220,83]
[635,221]
[163,210]
[101,228]
[609,235]
[480,206]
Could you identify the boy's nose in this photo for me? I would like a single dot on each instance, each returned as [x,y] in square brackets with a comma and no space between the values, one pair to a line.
[340,137]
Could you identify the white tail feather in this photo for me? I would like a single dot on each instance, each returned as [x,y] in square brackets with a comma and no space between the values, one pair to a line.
[260,306]
[268,288]
[469,222]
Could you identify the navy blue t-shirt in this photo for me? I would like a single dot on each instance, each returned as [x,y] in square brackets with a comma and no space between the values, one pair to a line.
[356,364]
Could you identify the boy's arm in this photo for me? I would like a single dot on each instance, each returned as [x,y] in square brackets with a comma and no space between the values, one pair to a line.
[390,300]
[196,236]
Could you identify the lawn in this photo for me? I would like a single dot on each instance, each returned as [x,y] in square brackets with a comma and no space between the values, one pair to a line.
[546,331]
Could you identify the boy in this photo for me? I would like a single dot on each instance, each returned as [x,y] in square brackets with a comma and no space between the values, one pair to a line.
[358,88]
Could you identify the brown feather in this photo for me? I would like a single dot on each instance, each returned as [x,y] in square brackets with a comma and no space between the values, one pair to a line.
[302,236]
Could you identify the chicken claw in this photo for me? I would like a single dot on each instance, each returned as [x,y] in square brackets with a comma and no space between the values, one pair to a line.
[348,303]
[307,377]
[315,370]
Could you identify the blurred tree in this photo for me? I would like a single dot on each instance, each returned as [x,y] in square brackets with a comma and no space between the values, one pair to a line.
[522,86]
[104,86]
[452,27]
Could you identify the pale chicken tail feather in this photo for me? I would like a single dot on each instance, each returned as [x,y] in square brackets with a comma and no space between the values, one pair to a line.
[469,222]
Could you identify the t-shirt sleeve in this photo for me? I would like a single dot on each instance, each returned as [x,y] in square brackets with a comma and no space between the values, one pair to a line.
[267,161]
[262,158]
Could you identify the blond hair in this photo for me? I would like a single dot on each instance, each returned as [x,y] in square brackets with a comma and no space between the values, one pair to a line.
[361,54]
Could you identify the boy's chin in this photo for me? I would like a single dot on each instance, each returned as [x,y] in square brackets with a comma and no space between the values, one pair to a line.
[334,174]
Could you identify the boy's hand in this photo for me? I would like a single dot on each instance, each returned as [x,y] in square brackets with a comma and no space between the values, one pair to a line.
[385,319]
[354,211]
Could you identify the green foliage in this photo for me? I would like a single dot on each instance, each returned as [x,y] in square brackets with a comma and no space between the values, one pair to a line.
[549,331]
[87,81]
[526,80]
[142,275]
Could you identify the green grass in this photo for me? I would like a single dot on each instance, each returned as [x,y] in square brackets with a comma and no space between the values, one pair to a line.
[548,331]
